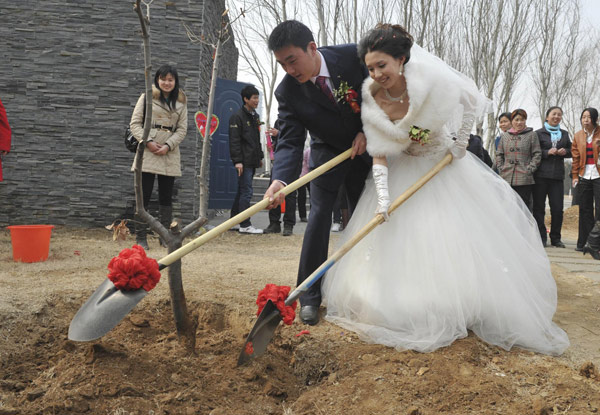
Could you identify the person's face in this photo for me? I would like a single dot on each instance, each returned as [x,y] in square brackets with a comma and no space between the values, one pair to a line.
[252,103]
[555,117]
[504,124]
[519,122]
[298,63]
[384,68]
[166,83]
[586,120]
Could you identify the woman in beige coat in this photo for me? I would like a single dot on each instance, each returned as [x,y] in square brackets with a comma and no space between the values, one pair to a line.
[161,158]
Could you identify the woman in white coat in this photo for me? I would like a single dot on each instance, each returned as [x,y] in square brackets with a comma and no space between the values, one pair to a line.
[463,253]
[161,157]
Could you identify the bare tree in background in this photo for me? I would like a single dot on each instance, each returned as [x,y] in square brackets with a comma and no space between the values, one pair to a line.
[496,42]
[583,91]
[252,34]
[558,53]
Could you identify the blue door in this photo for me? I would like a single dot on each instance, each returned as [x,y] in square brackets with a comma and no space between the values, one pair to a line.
[223,176]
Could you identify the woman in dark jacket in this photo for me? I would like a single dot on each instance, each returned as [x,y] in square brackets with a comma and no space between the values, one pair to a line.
[549,176]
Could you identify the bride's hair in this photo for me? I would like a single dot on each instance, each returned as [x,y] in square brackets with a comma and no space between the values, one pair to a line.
[391,39]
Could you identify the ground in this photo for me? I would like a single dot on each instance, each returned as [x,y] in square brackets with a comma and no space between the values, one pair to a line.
[140,367]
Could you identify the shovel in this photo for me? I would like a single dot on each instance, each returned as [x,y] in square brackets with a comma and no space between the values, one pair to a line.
[107,306]
[268,320]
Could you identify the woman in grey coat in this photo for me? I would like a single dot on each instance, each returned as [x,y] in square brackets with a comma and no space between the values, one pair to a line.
[518,155]
[161,158]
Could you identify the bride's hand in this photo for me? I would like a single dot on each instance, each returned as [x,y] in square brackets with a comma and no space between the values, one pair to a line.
[359,145]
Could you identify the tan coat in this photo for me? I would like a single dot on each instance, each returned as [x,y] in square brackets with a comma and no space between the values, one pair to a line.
[169,164]
[578,149]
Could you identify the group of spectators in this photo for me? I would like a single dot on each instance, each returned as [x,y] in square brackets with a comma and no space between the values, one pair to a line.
[533,163]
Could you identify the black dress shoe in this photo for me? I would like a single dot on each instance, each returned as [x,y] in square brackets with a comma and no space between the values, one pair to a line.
[288,230]
[303,220]
[558,244]
[309,314]
[273,228]
[578,249]
[593,252]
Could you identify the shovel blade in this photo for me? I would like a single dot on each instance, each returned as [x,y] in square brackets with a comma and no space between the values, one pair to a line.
[103,311]
[261,334]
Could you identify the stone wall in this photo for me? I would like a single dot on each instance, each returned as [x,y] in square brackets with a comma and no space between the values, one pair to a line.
[71,72]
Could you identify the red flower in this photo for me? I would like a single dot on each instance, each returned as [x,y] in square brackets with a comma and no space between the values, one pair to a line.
[351,95]
[249,349]
[132,270]
[355,107]
[277,294]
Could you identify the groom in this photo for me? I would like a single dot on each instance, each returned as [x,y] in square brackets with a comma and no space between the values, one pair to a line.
[307,103]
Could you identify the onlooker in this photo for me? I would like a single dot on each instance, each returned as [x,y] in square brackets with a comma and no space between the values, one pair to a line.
[549,177]
[340,211]
[289,214]
[161,156]
[504,125]
[302,191]
[585,173]
[518,155]
[245,152]
[475,146]
[5,136]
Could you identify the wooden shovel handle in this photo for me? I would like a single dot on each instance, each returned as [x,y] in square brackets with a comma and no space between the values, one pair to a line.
[252,210]
[372,224]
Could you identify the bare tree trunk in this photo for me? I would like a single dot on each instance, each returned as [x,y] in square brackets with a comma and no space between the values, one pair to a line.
[206,144]
[322,27]
[186,326]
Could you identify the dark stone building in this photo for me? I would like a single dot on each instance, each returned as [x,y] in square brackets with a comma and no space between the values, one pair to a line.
[71,72]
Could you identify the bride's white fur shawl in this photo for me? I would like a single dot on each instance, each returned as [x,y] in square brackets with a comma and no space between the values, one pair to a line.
[432,105]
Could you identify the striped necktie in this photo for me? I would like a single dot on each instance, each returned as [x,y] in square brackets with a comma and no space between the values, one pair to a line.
[321,82]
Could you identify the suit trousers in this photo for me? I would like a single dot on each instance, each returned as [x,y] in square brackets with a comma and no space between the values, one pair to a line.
[553,188]
[289,216]
[315,245]
[588,192]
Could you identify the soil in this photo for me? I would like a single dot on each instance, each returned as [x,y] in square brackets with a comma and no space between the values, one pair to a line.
[140,367]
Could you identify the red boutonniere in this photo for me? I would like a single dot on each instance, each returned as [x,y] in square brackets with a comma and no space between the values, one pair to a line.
[345,93]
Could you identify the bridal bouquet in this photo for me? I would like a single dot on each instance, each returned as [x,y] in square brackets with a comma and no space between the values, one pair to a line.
[418,134]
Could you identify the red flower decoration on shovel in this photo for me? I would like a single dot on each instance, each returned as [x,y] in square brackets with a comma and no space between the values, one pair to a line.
[132,270]
[277,294]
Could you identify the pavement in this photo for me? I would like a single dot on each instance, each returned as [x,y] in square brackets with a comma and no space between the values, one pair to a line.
[575,263]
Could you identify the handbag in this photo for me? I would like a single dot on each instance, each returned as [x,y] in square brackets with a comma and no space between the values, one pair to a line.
[130,141]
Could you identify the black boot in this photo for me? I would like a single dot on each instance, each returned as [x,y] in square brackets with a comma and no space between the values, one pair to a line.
[141,230]
[165,214]
[593,240]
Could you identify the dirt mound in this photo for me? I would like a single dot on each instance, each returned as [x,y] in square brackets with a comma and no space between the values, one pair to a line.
[140,367]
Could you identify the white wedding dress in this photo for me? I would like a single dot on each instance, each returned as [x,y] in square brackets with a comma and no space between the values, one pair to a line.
[463,253]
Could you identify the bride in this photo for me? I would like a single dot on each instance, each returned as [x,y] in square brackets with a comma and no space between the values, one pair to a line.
[463,253]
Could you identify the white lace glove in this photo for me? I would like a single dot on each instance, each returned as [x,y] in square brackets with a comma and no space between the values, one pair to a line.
[459,148]
[380,177]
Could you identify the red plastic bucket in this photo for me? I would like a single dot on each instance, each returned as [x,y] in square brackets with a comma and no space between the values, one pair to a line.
[30,243]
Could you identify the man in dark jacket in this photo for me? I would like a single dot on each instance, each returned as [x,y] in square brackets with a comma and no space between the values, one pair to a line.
[306,103]
[245,152]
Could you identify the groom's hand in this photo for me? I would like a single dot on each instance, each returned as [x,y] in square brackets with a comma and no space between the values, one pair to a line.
[359,145]
[269,194]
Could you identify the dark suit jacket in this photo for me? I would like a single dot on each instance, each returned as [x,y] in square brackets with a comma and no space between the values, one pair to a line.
[304,107]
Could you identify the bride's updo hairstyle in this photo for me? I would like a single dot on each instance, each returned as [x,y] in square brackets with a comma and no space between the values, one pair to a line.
[393,40]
